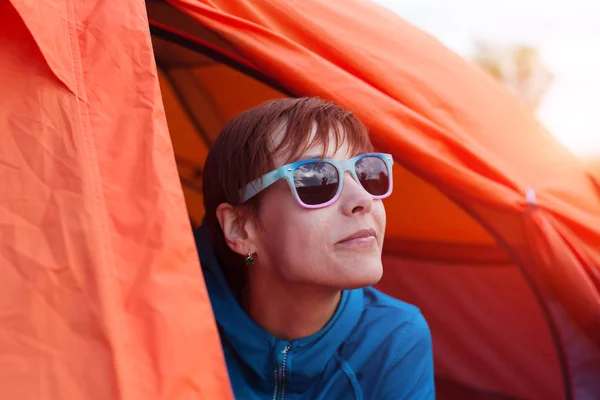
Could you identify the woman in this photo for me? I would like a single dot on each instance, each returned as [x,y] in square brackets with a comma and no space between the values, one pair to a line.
[291,243]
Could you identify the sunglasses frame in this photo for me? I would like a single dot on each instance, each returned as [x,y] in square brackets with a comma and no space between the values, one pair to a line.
[287,172]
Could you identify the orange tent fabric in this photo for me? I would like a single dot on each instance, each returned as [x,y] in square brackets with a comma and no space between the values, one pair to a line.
[493,229]
[493,226]
[101,295]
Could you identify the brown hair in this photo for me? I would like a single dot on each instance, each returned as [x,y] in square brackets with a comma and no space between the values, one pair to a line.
[243,152]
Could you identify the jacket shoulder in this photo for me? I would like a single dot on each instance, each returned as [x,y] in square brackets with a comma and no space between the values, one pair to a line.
[385,327]
[392,342]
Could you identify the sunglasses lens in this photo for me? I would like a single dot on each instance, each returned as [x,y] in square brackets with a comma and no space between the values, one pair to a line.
[316,182]
[373,175]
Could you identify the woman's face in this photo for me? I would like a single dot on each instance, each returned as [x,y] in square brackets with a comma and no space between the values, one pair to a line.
[308,246]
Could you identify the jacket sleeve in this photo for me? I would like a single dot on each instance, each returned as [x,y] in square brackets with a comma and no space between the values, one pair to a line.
[410,373]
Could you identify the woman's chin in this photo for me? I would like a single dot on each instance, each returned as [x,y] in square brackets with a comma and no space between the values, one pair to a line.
[345,272]
[362,275]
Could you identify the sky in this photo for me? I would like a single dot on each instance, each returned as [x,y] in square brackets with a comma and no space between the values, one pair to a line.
[567,34]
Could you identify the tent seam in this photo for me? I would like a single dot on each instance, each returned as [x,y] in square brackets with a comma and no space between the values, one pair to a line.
[101,240]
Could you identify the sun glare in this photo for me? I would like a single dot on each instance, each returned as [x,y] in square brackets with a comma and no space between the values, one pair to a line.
[565,35]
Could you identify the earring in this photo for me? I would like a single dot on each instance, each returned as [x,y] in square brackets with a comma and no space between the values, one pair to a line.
[249,259]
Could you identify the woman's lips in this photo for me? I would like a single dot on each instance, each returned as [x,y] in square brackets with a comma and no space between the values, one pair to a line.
[360,238]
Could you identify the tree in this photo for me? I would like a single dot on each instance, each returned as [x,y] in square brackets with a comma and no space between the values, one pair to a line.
[519,68]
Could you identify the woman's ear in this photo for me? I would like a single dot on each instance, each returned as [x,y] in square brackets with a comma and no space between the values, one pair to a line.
[236,229]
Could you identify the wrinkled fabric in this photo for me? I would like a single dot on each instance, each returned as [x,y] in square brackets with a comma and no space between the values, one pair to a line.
[101,294]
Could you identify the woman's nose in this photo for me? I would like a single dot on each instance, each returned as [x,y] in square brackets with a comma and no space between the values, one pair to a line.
[355,199]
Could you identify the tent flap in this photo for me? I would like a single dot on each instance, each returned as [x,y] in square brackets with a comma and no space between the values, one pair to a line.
[469,157]
[101,292]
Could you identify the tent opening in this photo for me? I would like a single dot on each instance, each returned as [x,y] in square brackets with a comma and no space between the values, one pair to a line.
[482,310]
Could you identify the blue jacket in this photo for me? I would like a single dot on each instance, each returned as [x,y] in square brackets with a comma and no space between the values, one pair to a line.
[374,347]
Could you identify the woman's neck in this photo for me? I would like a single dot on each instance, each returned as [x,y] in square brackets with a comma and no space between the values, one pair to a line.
[289,311]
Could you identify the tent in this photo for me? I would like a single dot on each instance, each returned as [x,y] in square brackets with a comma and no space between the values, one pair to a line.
[493,229]
[594,166]
[101,296]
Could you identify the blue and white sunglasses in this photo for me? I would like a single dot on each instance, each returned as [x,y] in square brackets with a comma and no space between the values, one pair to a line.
[317,182]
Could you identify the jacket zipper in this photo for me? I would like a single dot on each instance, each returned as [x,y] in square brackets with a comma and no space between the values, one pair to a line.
[281,365]
[276,386]
[285,353]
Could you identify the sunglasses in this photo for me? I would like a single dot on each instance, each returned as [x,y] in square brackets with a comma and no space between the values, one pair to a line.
[318,182]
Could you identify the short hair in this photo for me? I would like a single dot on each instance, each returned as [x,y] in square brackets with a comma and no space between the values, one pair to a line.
[243,152]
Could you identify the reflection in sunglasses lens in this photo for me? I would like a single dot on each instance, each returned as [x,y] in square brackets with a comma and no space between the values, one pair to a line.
[373,175]
[316,183]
